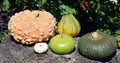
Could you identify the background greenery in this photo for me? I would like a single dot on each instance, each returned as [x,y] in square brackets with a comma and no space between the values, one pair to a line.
[103,15]
[10,7]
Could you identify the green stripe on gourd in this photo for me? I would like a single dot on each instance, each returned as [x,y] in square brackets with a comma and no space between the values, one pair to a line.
[69,25]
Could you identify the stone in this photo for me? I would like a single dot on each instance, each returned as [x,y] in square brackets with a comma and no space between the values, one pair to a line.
[15,52]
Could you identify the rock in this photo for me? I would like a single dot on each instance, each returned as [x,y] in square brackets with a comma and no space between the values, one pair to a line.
[14,52]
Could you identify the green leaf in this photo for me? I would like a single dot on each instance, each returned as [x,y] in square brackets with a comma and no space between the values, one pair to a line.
[93,5]
[117,37]
[44,1]
[115,7]
[102,13]
[67,10]
[25,1]
[110,19]
[91,19]
[6,5]
[17,2]
[118,44]
[98,8]
[117,31]
[91,2]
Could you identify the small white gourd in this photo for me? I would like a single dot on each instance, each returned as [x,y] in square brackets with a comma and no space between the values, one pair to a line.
[40,47]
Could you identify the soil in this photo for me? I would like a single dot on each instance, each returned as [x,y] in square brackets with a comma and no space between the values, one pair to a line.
[14,52]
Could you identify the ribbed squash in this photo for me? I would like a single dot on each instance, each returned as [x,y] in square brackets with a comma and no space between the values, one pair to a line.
[69,25]
[97,45]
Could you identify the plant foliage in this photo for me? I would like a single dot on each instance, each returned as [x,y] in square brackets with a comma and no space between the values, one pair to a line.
[56,7]
[106,16]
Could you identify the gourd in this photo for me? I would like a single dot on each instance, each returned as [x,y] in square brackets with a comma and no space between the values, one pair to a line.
[97,45]
[29,27]
[68,24]
[40,47]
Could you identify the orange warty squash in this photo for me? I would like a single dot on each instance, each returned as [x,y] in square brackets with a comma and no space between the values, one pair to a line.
[30,27]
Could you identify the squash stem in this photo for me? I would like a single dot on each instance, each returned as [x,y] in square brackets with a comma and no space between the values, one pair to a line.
[95,35]
[61,36]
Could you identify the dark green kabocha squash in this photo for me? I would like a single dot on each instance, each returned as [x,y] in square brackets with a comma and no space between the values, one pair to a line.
[97,45]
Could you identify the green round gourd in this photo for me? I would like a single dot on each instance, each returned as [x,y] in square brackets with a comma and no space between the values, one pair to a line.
[97,45]
[69,25]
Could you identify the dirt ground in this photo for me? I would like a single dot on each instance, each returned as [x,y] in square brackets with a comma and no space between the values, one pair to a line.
[14,52]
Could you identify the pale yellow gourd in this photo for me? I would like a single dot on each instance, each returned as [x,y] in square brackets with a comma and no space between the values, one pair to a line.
[69,25]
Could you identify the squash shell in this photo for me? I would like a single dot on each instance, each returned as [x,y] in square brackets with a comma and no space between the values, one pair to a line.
[98,48]
[69,25]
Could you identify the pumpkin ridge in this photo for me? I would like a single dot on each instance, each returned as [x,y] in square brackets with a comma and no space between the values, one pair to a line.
[77,24]
[60,29]
[66,25]
[73,28]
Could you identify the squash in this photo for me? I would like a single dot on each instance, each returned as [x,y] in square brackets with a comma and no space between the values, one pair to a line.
[29,27]
[69,25]
[40,47]
[97,45]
